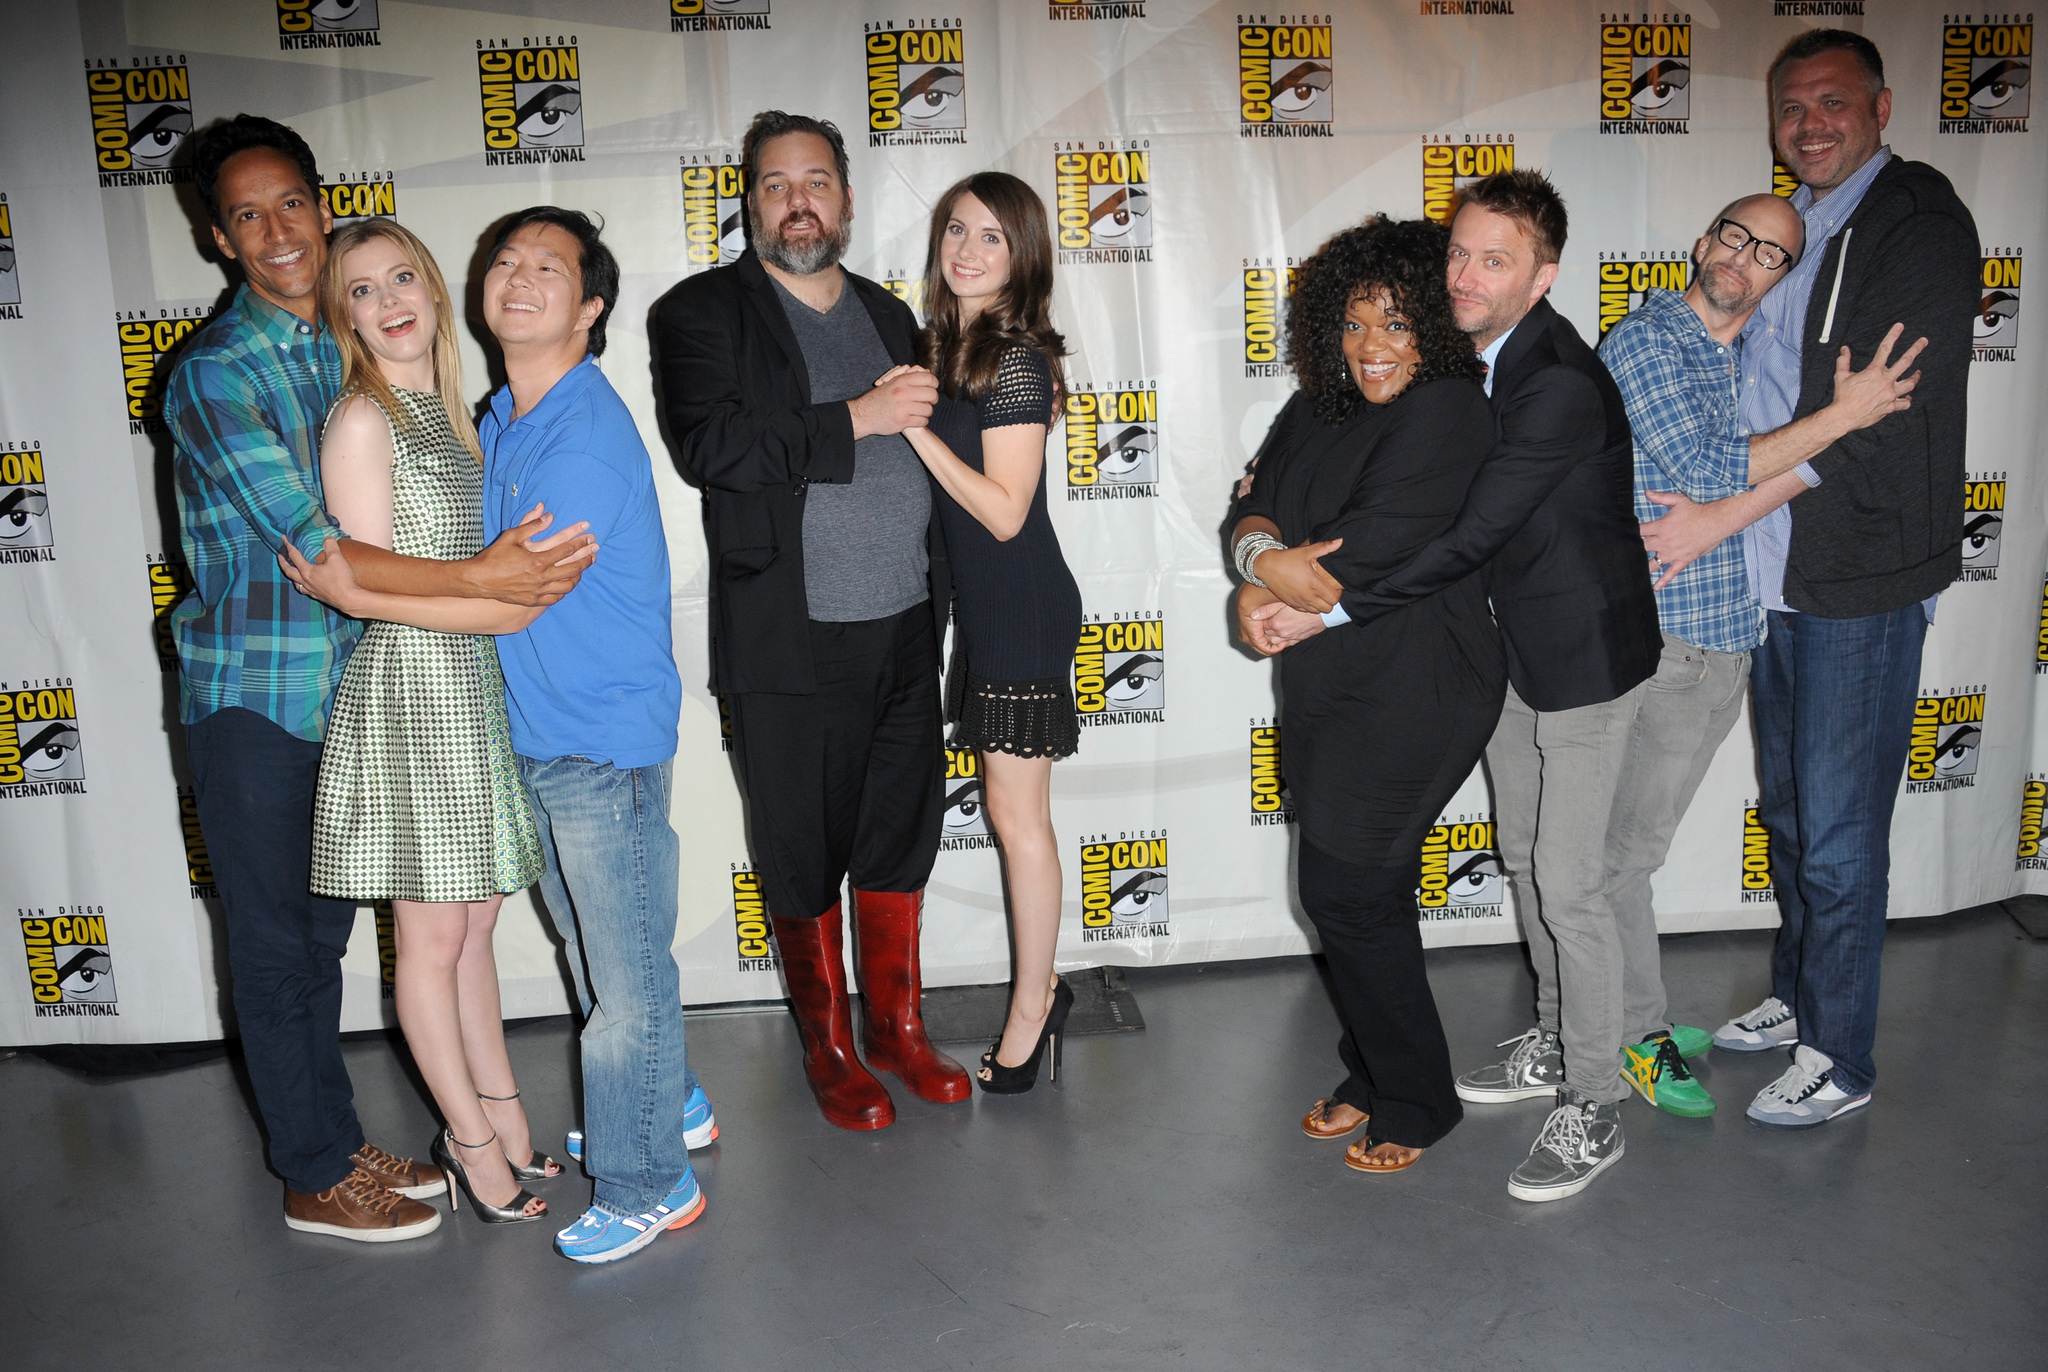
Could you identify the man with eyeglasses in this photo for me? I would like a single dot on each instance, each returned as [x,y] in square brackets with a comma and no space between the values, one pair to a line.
[1678,362]
[1847,578]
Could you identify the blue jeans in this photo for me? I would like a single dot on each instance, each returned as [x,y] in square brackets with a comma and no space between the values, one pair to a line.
[610,887]
[1834,715]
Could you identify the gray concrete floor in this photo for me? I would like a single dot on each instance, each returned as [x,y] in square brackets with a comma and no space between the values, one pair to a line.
[1157,1208]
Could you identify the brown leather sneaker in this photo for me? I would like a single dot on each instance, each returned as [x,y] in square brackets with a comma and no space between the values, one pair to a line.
[413,1180]
[358,1208]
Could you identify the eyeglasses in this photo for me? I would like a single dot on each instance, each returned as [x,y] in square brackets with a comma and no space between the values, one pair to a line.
[1768,255]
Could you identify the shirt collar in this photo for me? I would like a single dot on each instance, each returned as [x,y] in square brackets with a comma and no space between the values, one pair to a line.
[268,321]
[1823,217]
[573,383]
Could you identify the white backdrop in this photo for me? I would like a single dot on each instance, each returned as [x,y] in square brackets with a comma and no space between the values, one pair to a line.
[1192,152]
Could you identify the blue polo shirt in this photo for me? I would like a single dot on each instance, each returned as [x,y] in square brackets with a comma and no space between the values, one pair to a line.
[594,676]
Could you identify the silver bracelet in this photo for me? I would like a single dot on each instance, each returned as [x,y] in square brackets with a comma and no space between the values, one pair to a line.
[1247,551]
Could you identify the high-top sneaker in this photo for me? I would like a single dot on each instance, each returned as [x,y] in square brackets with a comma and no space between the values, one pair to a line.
[1578,1142]
[1535,1068]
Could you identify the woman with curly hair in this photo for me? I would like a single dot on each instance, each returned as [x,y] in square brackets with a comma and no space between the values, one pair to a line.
[1382,721]
[988,279]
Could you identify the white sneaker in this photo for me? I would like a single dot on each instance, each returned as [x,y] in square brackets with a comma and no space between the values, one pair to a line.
[1770,1025]
[1806,1095]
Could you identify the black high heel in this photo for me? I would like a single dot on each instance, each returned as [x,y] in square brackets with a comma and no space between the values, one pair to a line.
[446,1158]
[1015,1081]
[539,1166]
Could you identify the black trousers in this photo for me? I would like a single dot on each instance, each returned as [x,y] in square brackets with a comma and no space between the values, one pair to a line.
[1393,1045]
[849,780]
[254,785]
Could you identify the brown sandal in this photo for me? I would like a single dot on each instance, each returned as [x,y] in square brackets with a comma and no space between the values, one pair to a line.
[1316,1123]
[1355,1157]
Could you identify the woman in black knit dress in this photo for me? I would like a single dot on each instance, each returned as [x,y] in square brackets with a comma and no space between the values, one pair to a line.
[1017,614]
[1381,721]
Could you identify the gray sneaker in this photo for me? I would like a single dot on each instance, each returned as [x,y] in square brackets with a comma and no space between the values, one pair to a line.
[1806,1095]
[1535,1068]
[1578,1142]
[1770,1025]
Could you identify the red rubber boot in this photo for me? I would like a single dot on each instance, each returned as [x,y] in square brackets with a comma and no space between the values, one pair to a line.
[813,962]
[885,926]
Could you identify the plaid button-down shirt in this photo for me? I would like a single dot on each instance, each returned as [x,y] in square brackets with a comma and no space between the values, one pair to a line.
[245,406]
[1683,391]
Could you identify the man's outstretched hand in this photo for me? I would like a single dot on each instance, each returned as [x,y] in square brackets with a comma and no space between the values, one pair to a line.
[522,568]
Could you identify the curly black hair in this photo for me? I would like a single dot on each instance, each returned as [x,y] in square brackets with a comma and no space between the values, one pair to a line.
[227,137]
[1405,258]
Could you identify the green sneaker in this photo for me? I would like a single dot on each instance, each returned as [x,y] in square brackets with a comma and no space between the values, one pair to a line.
[1691,1042]
[1659,1074]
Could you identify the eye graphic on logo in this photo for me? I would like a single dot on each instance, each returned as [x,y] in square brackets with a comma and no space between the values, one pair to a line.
[1958,755]
[1994,311]
[52,754]
[552,114]
[24,518]
[732,236]
[965,811]
[1659,86]
[1477,882]
[344,14]
[1127,456]
[6,256]
[1140,899]
[1123,216]
[933,100]
[156,137]
[1135,680]
[1980,538]
[1301,94]
[84,972]
[1995,90]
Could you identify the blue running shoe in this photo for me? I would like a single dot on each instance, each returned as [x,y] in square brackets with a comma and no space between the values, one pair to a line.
[601,1236]
[700,1126]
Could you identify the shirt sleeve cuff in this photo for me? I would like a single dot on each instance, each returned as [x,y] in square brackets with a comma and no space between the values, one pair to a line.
[1808,474]
[1334,616]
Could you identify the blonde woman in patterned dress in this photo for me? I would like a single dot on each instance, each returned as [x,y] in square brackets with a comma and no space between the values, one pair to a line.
[418,801]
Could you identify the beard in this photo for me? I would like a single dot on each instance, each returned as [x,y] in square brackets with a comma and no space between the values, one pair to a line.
[825,248]
[1713,285]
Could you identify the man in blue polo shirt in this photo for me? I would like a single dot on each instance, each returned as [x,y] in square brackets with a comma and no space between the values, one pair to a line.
[593,697]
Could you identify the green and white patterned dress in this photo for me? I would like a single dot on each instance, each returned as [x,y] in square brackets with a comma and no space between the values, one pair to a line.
[418,797]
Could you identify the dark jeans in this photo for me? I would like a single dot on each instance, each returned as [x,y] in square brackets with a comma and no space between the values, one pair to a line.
[255,791]
[849,780]
[1393,1045]
[1834,715]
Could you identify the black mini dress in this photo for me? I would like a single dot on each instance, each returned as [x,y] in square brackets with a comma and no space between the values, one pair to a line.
[1016,611]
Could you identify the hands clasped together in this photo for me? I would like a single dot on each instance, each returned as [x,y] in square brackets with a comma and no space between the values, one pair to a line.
[520,567]
[1291,605]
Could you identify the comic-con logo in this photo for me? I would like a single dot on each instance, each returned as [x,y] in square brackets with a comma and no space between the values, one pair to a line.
[1449,167]
[1983,523]
[1784,184]
[1948,733]
[10,278]
[367,194]
[714,209]
[1123,886]
[1756,859]
[303,24]
[754,936]
[1626,278]
[1272,802]
[1283,78]
[385,920]
[39,742]
[169,583]
[905,287]
[1462,877]
[717,16]
[965,821]
[1120,669]
[1995,332]
[1103,189]
[1266,288]
[146,338]
[916,82]
[2033,795]
[1987,72]
[1112,438]
[533,100]
[141,116]
[70,964]
[25,533]
[1058,10]
[198,866]
[1646,77]
[2041,636]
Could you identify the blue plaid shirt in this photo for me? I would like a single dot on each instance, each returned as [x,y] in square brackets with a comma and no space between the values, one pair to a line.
[245,405]
[1683,393]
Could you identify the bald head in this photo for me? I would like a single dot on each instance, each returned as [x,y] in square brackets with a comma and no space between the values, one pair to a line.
[1769,217]
[1730,279]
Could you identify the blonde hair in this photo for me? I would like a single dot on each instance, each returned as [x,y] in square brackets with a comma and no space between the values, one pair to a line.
[360,374]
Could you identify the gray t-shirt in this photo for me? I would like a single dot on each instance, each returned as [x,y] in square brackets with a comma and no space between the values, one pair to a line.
[864,542]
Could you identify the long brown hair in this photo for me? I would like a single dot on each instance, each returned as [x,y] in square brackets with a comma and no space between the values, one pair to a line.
[360,374]
[966,360]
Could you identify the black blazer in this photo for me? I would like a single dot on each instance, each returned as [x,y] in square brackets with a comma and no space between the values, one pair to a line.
[1552,518]
[736,394]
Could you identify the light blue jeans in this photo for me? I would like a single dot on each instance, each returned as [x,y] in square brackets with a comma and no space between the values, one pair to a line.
[610,887]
